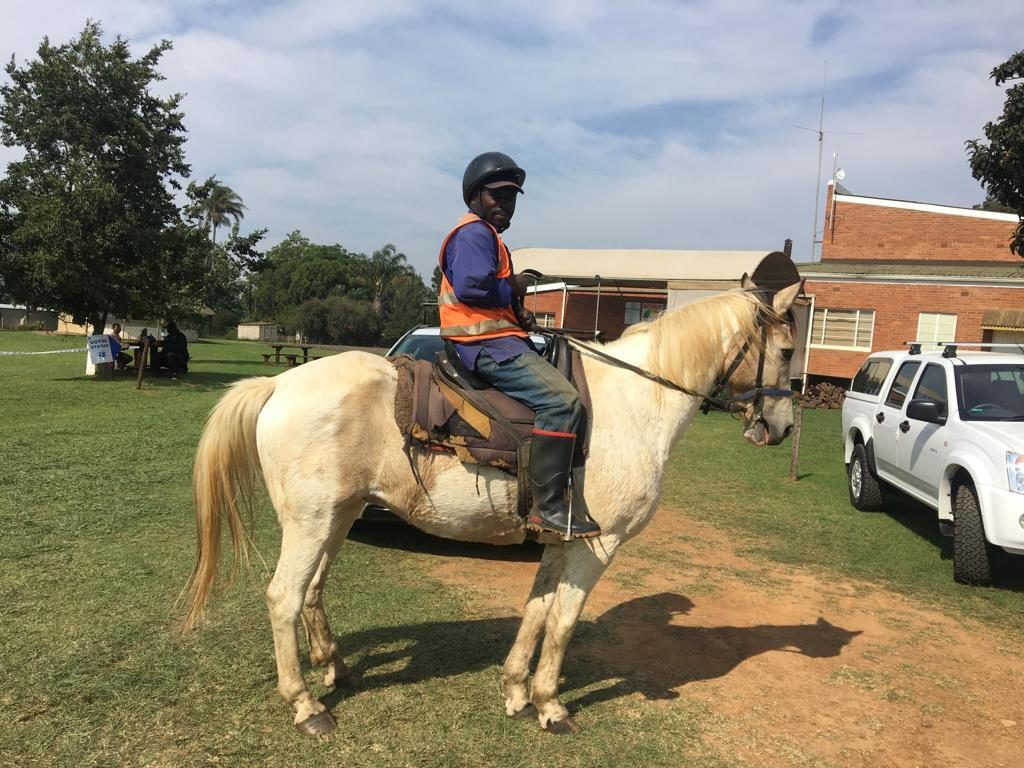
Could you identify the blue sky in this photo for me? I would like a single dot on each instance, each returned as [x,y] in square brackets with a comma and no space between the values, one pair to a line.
[650,124]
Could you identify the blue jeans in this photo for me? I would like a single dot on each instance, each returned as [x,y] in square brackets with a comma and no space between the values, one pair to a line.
[535,383]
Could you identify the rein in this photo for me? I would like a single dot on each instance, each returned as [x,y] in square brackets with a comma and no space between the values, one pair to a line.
[757,394]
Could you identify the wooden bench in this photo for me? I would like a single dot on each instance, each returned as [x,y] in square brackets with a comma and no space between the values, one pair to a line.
[292,360]
[266,358]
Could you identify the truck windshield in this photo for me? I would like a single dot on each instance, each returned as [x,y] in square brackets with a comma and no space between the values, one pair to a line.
[992,392]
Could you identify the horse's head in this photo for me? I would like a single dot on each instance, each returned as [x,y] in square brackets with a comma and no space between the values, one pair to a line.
[758,377]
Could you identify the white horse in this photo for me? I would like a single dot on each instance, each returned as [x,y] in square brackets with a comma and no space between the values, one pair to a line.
[325,439]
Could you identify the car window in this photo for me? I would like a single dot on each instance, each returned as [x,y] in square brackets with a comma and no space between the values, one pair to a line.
[871,376]
[421,347]
[901,385]
[991,392]
[932,386]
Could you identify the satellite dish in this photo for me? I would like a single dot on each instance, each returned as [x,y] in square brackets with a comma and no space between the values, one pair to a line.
[840,174]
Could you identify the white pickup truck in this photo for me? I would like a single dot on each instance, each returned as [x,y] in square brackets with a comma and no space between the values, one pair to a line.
[947,428]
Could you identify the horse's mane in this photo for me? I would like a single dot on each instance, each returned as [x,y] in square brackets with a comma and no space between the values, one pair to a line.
[686,342]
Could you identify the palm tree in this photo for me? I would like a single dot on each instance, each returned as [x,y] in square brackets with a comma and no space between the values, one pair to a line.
[222,204]
[379,271]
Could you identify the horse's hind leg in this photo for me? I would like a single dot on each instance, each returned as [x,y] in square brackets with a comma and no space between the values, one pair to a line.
[323,647]
[517,665]
[303,546]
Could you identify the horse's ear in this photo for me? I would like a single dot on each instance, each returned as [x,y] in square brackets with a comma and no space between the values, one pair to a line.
[746,283]
[784,298]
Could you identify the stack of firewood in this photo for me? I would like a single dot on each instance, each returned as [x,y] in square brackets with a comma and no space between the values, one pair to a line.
[823,395]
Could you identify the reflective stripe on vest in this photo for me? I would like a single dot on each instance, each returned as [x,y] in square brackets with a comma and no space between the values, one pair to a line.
[461,322]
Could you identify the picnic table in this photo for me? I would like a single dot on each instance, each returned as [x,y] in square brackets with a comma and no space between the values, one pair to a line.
[292,359]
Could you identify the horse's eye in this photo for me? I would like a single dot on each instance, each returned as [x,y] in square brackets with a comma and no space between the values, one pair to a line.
[787,354]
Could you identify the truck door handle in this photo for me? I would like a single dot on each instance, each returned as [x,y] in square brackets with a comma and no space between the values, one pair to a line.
[879,417]
[904,426]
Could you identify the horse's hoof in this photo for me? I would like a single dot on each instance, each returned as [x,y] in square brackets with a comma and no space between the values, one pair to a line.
[319,725]
[529,712]
[564,727]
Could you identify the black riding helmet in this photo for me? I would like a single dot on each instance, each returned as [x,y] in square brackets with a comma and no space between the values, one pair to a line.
[490,166]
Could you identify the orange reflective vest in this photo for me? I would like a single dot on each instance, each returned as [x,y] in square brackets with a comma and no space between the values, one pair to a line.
[461,322]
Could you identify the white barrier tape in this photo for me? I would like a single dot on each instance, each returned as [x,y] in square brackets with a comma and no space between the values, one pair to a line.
[48,352]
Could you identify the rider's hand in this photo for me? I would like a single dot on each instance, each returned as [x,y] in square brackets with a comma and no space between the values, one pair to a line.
[519,284]
[526,319]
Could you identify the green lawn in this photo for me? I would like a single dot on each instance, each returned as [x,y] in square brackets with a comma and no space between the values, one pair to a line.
[97,539]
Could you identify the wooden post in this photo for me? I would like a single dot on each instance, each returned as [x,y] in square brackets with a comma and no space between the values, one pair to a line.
[142,362]
[794,462]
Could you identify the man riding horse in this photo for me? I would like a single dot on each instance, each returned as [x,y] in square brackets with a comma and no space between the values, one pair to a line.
[482,314]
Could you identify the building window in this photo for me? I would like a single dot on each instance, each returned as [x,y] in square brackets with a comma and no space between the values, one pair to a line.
[936,327]
[639,312]
[842,328]
[545,319]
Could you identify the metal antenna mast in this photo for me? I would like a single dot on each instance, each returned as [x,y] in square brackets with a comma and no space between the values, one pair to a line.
[821,144]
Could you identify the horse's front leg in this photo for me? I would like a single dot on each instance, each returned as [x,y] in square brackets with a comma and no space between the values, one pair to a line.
[302,553]
[517,665]
[585,562]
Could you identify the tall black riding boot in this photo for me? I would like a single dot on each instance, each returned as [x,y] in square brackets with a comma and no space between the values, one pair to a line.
[550,462]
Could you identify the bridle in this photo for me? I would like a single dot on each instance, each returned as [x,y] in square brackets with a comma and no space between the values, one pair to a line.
[759,392]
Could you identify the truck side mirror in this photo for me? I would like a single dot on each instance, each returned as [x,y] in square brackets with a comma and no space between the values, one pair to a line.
[922,409]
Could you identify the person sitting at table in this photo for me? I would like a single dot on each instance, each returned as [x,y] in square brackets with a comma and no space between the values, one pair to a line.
[121,359]
[174,354]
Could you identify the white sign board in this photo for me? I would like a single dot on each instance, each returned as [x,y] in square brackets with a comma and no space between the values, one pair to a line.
[99,350]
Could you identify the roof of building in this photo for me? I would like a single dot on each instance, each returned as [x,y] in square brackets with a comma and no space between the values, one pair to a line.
[923,270]
[586,266]
[844,195]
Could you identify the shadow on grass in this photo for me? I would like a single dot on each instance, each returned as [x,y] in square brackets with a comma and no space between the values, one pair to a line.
[633,648]
[920,519]
[397,535]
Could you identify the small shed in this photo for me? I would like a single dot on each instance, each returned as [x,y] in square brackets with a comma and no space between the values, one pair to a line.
[257,331]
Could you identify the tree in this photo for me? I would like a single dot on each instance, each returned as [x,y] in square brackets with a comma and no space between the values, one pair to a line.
[88,223]
[991,204]
[221,205]
[435,280]
[297,270]
[379,271]
[999,164]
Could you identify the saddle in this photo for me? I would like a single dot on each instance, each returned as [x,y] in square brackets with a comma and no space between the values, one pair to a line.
[442,406]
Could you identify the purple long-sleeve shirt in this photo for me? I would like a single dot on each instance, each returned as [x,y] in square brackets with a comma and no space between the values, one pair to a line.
[470,263]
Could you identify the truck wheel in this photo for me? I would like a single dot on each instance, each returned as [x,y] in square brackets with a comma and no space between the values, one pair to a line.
[972,554]
[865,490]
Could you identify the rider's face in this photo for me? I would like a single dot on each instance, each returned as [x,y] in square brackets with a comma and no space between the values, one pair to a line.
[496,206]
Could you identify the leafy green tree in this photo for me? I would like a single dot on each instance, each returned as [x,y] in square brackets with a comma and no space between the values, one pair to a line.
[406,304]
[435,281]
[88,223]
[999,164]
[337,320]
[991,204]
[297,270]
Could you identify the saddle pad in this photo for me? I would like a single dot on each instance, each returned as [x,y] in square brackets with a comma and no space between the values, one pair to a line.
[441,416]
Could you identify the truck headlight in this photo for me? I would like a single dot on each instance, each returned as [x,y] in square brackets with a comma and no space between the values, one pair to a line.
[1015,471]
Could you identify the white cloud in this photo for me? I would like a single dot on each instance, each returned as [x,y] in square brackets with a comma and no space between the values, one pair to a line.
[353,122]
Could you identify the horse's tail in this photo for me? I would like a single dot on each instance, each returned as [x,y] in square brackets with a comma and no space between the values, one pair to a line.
[224,476]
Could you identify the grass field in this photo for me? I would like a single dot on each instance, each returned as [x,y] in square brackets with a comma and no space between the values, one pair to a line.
[97,539]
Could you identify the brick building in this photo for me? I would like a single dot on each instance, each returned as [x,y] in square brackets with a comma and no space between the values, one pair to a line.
[600,292]
[892,271]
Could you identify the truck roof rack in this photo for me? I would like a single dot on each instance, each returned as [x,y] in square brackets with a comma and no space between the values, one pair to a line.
[949,348]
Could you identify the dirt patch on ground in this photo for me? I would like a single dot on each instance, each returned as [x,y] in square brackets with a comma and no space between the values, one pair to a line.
[798,670]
